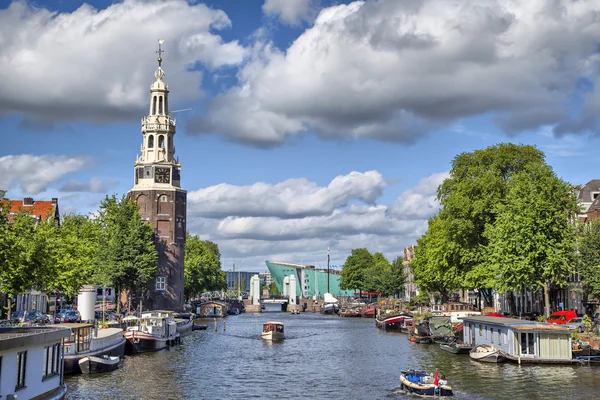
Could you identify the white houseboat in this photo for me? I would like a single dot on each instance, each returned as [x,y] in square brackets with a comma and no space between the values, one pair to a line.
[519,340]
[156,330]
[87,340]
[31,363]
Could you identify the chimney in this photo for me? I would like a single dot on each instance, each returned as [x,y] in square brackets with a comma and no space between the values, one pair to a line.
[28,201]
[54,200]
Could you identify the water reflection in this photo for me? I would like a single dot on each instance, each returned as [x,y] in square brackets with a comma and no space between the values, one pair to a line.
[322,357]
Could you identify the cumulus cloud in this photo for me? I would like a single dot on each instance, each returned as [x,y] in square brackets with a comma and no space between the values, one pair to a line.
[33,174]
[98,64]
[419,202]
[291,12]
[292,198]
[396,70]
[295,220]
[95,185]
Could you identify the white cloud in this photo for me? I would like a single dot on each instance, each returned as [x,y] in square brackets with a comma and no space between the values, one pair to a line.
[419,202]
[98,64]
[33,174]
[292,12]
[295,220]
[95,185]
[292,198]
[395,70]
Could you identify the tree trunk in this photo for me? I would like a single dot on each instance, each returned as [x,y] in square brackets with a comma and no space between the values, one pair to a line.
[546,288]
[8,302]
[118,294]
[511,302]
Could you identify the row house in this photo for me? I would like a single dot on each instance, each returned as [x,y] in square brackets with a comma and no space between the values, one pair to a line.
[411,289]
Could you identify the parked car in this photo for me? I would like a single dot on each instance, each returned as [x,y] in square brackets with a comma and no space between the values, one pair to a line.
[561,317]
[59,316]
[71,316]
[576,323]
[16,317]
[4,323]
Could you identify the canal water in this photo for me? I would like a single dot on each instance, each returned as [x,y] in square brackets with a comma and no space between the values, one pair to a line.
[322,357]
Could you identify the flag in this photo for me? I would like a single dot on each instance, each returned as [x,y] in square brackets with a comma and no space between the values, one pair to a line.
[436,380]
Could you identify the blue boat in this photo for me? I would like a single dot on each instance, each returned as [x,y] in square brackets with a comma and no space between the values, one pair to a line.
[422,383]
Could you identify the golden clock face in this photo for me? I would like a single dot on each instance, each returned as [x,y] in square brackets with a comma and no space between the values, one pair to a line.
[162,175]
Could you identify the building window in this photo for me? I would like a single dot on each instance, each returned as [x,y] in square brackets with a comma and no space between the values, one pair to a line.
[161,283]
[161,141]
[151,142]
[160,105]
[51,359]
[480,331]
[154,106]
[21,368]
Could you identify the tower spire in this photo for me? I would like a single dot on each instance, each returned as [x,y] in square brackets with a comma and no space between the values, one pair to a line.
[160,51]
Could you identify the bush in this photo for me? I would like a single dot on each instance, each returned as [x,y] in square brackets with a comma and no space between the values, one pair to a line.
[587,322]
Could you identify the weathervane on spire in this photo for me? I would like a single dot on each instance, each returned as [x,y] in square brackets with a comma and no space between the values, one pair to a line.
[160,51]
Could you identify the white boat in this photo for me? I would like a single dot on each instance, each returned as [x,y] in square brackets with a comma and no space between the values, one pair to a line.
[273,330]
[87,340]
[487,353]
[330,304]
[156,330]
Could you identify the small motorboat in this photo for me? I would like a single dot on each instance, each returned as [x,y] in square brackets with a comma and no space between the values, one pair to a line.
[487,353]
[94,365]
[198,327]
[420,339]
[295,312]
[424,384]
[456,348]
[272,330]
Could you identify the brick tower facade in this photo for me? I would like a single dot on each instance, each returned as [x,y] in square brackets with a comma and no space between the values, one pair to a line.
[157,191]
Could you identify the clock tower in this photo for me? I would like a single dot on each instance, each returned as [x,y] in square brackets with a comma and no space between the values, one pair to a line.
[158,193]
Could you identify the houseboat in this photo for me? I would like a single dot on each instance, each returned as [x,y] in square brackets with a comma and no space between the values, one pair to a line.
[391,322]
[213,309]
[31,363]
[520,340]
[273,331]
[156,330]
[456,311]
[87,340]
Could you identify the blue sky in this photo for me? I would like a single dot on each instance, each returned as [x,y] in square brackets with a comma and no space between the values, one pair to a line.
[313,123]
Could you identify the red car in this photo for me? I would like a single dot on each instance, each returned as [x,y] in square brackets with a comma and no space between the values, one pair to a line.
[561,317]
[495,314]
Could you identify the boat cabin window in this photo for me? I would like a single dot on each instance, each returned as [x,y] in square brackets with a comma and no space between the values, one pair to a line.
[82,338]
[527,343]
[279,328]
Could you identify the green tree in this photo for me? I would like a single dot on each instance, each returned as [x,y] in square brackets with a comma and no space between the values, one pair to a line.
[9,276]
[273,290]
[76,254]
[437,261]
[588,260]
[477,182]
[355,270]
[531,242]
[202,267]
[127,257]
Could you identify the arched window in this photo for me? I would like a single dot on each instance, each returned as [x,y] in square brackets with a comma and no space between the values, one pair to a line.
[166,104]
[150,142]
[160,105]
[161,141]
[154,106]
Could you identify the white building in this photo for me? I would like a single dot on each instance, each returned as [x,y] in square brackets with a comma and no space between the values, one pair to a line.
[31,363]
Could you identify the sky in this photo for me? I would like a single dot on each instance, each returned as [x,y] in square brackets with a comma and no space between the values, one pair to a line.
[313,123]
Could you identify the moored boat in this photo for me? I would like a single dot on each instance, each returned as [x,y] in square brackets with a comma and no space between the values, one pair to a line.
[456,348]
[486,353]
[423,384]
[273,330]
[156,330]
[94,365]
[86,340]
[391,322]
[199,327]
[369,311]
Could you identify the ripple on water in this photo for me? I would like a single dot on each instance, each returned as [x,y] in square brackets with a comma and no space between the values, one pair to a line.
[326,357]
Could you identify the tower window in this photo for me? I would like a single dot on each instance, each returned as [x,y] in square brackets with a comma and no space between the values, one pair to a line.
[154,106]
[160,105]
[161,141]
[150,141]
